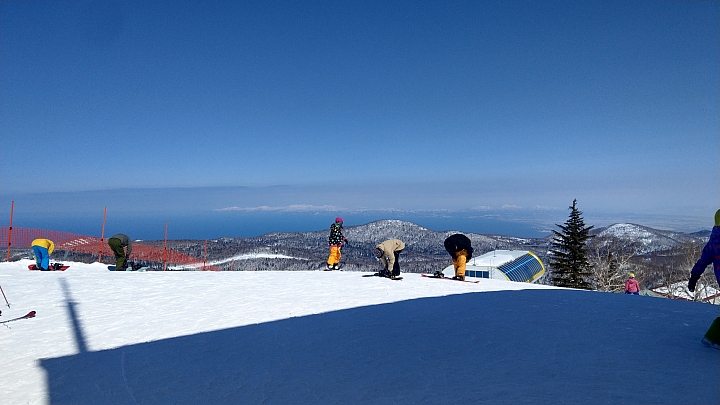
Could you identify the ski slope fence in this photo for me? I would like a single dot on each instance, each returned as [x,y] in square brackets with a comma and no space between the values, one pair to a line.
[21,238]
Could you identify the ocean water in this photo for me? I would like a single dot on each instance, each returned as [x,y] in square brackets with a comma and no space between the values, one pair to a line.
[213,225]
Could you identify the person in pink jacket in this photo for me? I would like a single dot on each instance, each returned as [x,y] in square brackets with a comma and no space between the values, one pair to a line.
[632,286]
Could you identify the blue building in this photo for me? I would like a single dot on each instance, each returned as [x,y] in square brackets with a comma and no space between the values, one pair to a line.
[509,265]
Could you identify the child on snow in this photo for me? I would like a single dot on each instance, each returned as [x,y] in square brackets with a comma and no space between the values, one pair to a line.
[632,286]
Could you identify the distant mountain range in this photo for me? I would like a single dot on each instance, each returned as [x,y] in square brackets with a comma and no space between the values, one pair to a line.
[424,250]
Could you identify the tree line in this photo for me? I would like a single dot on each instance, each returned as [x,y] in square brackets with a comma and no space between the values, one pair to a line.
[580,260]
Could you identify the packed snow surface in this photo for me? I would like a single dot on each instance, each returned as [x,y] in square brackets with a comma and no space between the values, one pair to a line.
[104,337]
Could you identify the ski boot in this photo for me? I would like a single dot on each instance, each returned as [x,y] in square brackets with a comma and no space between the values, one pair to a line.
[712,336]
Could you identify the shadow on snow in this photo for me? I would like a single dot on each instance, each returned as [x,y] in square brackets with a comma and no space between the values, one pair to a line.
[499,347]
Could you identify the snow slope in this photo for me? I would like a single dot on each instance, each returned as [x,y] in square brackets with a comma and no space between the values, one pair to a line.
[119,338]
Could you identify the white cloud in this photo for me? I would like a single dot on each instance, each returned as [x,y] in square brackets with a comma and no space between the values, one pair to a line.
[544,208]
[288,208]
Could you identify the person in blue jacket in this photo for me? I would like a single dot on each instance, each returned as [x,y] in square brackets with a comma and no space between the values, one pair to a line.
[710,254]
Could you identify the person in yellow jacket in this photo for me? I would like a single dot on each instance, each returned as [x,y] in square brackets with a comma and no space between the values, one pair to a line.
[42,249]
[389,254]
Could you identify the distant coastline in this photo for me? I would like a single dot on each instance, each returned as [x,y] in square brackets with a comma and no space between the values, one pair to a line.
[210,225]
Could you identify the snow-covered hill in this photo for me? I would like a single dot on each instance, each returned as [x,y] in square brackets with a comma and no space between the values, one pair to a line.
[651,240]
[424,251]
[118,338]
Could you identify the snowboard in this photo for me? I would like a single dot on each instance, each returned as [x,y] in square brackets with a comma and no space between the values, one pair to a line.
[450,278]
[389,278]
[53,267]
[113,268]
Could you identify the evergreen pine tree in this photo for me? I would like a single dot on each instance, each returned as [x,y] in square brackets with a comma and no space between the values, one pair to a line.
[568,260]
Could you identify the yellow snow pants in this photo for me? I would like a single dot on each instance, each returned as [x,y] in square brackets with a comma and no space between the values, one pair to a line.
[459,262]
[335,255]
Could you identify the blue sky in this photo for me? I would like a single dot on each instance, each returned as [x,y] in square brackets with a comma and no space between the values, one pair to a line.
[364,105]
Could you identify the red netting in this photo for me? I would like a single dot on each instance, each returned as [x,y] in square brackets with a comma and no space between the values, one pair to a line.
[22,239]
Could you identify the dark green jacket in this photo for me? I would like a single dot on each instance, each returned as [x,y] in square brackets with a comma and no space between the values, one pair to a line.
[125,241]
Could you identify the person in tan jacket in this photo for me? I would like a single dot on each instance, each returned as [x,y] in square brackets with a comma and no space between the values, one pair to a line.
[389,254]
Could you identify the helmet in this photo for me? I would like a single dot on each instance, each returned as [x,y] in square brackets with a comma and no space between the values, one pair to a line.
[338,220]
[632,275]
[378,252]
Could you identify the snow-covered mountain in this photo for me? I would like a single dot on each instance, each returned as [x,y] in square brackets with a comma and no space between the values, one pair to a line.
[424,250]
[278,337]
[652,240]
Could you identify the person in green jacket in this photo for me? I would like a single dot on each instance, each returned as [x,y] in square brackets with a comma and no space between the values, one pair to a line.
[118,243]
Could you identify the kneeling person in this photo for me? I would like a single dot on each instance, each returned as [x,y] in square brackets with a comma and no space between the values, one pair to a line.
[389,253]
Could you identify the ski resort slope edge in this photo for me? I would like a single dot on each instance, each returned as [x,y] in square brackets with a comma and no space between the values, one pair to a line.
[342,337]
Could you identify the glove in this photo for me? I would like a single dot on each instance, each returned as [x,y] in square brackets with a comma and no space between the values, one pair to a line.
[693,280]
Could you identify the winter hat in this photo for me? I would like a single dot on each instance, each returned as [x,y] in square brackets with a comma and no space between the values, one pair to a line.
[338,220]
[717,218]
[378,252]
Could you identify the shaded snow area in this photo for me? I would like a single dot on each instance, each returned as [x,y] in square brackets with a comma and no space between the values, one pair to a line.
[118,338]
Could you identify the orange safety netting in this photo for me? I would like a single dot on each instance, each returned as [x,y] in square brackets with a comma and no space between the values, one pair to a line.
[22,238]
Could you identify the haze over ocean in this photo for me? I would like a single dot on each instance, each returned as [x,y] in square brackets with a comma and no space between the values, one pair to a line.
[211,213]
[214,225]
